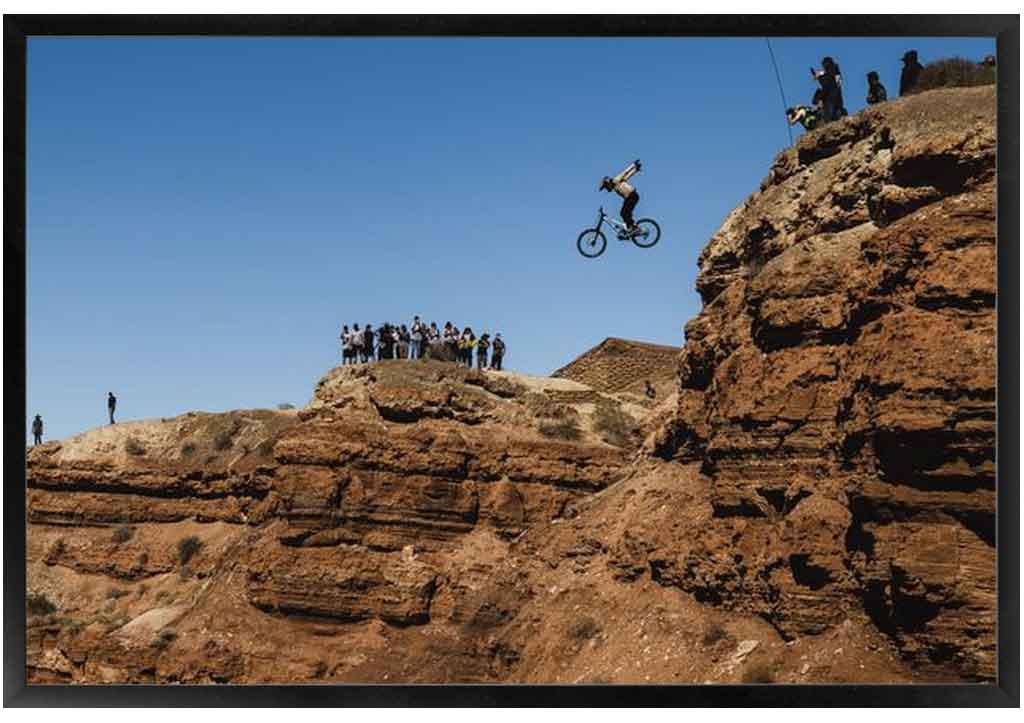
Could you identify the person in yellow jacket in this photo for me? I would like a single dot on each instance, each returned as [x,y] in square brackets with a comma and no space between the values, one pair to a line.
[466,344]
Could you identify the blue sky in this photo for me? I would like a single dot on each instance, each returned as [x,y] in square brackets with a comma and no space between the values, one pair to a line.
[205,213]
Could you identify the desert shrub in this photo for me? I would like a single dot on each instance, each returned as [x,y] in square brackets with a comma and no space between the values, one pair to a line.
[224,431]
[559,429]
[954,72]
[714,632]
[134,447]
[187,548]
[541,405]
[57,549]
[320,669]
[39,604]
[72,625]
[584,629]
[266,447]
[114,593]
[188,448]
[759,673]
[141,590]
[285,406]
[142,559]
[123,533]
[111,621]
[164,638]
[614,425]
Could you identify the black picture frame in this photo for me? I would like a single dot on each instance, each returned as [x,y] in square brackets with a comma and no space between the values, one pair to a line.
[1004,693]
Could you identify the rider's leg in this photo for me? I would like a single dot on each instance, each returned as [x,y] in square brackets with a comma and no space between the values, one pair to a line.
[627,208]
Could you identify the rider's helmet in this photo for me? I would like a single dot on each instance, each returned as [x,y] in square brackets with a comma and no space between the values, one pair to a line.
[606,184]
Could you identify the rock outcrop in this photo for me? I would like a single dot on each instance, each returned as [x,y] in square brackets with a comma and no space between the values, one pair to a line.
[344,512]
[838,387]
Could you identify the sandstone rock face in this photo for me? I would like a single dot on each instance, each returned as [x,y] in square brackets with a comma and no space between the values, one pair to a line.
[813,502]
[346,512]
[838,387]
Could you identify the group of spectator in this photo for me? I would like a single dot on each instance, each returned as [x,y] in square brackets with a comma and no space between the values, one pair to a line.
[420,341]
[827,104]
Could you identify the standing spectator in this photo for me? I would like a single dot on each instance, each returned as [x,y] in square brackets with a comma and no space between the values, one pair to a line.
[111,405]
[433,340]
[451,341]
[416,339]
[346,345]
[383,342]
[498,353]
[831,82]
[37,430]
[368,343]
[468,342]
[910,73]
[403,343]
[481,351]
[357,344]
[876,91]
[389,341]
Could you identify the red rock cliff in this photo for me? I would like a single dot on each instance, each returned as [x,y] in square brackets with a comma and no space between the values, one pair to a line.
[838,386]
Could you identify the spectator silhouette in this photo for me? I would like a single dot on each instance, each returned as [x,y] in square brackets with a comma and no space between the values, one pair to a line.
[911,72]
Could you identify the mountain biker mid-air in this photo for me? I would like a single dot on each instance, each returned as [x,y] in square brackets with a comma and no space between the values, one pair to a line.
[630,196]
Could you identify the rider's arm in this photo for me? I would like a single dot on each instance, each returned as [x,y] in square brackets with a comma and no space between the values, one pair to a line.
[626,174]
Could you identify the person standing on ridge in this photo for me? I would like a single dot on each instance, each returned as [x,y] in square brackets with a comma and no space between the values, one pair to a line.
[876,91]
[37,430]
[368,343]
[416,339]
[481,351]
[831,82]
[111,405]
[403,342]
[346,344]
[911,72]
[357,344]
[630,197]
[497,353]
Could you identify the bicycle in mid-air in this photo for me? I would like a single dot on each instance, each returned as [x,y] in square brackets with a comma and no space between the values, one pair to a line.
[592,242]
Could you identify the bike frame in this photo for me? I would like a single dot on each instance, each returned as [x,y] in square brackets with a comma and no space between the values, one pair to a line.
[605,218]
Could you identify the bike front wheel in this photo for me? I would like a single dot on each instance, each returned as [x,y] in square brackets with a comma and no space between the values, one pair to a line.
[647,233]
[591,243]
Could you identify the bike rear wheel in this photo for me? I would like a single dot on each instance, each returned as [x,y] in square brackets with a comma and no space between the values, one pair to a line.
[591,243]
[647,233]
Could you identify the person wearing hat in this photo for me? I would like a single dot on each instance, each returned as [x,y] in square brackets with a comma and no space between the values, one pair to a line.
[630,197]
[876,91]
[911,72]
[37,430]
[497,352]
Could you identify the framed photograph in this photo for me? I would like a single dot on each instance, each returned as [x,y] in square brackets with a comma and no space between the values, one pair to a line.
[563,360]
